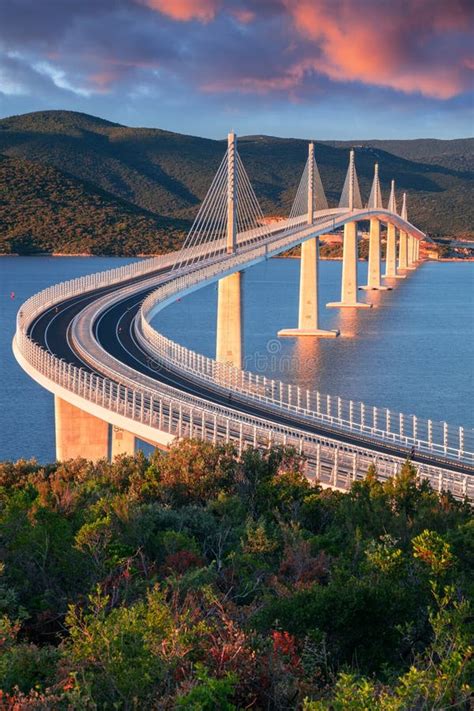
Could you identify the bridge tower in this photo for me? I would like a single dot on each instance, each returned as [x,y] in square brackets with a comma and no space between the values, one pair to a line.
[229,346]
[308,312]
[391,253]
[403,246]
[350,199]
[374,266]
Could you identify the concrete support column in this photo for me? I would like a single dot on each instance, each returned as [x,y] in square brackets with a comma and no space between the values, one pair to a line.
[123,442]
[411,252]
[79,434]
[229,320]
[373,269]
[308,316]
[349,271]
[403,251]
[391,252]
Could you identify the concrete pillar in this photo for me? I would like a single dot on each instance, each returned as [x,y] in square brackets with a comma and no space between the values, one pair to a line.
[403,251]
[349,271]
[391,252]
[123,442]
[229,299]
[373,269]
[79,434]
[391,257]
[229,320]
[411,253]
[308,316]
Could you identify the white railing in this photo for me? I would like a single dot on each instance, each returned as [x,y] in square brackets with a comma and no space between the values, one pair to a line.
[328,461]
[182,415]
[381,424]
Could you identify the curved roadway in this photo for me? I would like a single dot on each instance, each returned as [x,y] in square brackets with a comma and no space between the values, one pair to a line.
[114,330]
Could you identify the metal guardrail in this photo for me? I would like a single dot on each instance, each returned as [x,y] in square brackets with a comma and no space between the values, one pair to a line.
[380,424]
[327,461]
[331,462]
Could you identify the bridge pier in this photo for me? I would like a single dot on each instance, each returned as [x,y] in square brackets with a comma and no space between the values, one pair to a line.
[123,442]
[79,434]
[411,252]
[373,270]
[403,251]
[308,313]
[391,254]
[349,271]
[229,347]
[229,295]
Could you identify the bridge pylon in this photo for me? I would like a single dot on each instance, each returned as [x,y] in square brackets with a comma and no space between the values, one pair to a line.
[308,311]
[403,245]
[374,266]
[391,247]
[229,335]
[350,196]
[351,199]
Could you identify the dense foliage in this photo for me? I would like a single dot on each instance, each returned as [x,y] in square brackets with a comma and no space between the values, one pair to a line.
[197,580]
[43,209]
[141,175]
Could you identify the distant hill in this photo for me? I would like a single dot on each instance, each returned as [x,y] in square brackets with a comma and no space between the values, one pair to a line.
[457,153]
[45,210]
[151,181]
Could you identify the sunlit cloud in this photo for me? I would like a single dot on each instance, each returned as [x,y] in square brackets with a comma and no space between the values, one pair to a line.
[247,55]
[184,10]
[400,45]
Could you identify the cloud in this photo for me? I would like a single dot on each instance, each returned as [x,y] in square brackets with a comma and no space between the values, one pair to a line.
[183,10]
[218,56]
[411,46]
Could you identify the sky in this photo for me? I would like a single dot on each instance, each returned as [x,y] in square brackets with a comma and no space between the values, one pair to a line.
[322,69]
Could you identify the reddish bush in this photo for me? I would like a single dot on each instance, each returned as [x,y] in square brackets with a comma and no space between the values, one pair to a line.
[180,562]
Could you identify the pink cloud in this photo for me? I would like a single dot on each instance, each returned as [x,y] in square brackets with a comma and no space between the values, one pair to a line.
[185,10]
[243,15]
[384,45]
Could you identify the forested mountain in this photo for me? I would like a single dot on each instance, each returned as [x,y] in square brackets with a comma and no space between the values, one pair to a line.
[141,176]
[43,209]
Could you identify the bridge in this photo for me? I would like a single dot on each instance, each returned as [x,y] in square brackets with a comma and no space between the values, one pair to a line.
[116,379]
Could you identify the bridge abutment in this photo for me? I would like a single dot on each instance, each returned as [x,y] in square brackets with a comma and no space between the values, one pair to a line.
[79,434]
[349,271]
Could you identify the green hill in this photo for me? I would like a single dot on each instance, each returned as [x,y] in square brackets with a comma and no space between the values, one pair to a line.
[142,176]
[43,209]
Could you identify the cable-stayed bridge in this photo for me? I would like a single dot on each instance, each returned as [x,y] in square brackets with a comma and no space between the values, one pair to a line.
[116,379]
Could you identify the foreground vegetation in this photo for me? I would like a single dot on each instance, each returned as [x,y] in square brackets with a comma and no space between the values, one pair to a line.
[195,580]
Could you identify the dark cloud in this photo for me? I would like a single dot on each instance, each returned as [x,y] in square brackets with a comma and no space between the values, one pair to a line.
[233,54]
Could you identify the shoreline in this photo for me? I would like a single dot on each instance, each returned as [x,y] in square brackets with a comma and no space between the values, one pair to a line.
[149,256]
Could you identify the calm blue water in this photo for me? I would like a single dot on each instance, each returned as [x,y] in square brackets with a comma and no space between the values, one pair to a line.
[414,352]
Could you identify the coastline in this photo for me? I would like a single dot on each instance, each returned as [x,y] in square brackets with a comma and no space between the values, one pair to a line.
[159,254]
